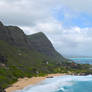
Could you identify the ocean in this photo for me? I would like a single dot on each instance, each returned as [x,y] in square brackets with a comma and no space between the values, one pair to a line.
[67,83]
[82,60]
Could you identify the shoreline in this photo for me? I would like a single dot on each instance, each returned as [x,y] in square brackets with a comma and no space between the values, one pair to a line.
[24,82]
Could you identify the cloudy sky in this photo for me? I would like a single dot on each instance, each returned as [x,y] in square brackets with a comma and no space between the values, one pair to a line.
[67,23]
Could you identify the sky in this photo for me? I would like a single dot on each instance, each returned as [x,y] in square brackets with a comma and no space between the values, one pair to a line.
[67,23]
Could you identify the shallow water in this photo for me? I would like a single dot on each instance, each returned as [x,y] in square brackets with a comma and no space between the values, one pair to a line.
[66,83]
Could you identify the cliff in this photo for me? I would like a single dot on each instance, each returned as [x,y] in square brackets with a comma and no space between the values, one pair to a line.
[42,44]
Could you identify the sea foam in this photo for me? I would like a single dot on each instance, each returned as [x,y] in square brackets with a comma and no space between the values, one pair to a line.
[58,84]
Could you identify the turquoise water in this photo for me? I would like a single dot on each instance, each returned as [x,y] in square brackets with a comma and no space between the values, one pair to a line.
[66,83]
[82,60]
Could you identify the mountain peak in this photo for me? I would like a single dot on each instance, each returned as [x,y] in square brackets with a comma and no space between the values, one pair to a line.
[41,43]
[39,34]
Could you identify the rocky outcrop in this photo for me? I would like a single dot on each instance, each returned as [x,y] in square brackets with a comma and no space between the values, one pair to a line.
[3,59]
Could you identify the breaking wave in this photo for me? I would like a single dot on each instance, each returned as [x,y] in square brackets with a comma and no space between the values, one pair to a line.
[66,83]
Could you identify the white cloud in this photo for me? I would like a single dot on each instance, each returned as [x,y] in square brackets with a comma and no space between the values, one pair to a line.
[79,5]
[26,12]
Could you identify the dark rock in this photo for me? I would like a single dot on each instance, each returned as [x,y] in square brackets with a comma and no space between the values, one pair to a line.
[50,77]
[3,59]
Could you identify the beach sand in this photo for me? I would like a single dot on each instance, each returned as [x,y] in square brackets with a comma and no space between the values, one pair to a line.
[24,82]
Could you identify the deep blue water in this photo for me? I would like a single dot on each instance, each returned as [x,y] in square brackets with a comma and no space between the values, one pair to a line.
[66,83]
[82,60]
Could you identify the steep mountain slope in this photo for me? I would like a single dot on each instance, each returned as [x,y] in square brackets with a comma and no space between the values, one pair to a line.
[42,44]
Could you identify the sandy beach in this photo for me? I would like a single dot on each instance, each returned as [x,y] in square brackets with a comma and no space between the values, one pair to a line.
[24,82]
